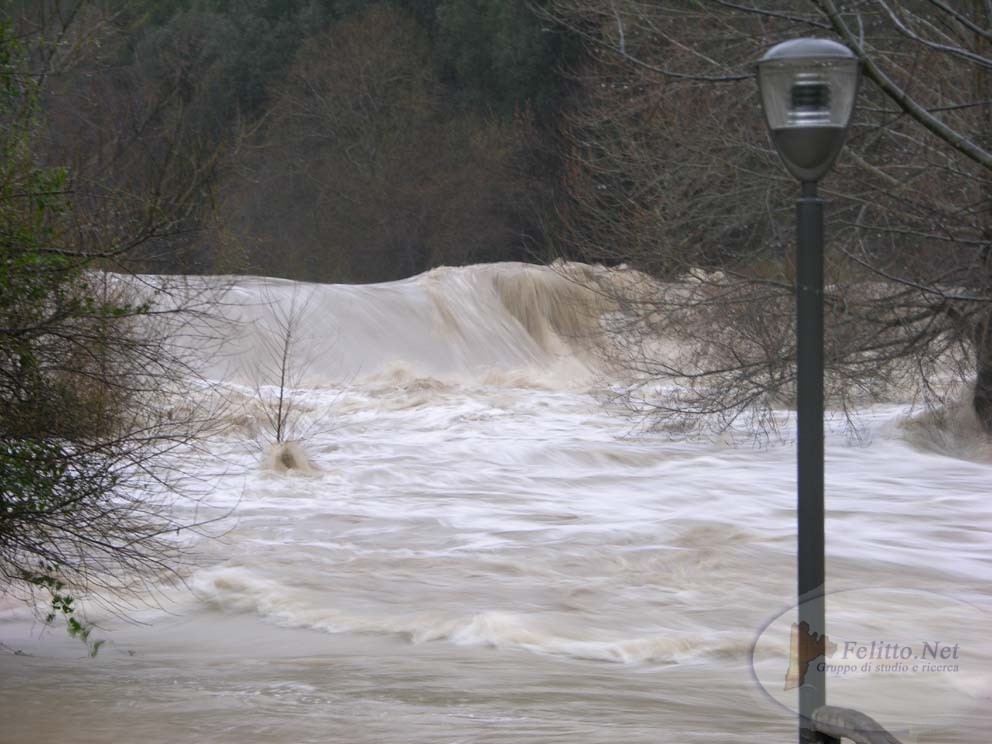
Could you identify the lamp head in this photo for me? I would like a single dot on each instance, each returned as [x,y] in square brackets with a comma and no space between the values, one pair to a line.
[808,88]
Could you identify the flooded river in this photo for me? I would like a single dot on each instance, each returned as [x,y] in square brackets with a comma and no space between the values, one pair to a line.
[483,552]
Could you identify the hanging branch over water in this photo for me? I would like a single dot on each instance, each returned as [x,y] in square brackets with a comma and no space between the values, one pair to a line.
[672,175]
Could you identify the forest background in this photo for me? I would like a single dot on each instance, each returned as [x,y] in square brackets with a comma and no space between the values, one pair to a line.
[333,140]
[364,141]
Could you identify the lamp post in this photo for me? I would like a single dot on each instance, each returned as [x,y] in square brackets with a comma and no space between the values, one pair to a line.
[808,87]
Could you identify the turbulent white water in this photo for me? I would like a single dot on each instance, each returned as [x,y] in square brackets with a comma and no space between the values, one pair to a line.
[483,553]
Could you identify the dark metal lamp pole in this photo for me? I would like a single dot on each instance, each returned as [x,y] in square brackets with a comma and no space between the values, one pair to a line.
[808,87]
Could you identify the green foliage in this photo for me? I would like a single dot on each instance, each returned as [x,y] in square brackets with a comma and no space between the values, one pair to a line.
[44,477]
[33,473]
[34,279]
[41,481]
[40,285]
[63,605]
[89,371]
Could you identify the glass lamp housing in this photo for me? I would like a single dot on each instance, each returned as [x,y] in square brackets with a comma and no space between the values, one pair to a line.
[808,88]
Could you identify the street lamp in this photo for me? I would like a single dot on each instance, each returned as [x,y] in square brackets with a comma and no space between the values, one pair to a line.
[808,87]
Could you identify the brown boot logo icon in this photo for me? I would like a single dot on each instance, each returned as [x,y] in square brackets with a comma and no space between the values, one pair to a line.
[805,648]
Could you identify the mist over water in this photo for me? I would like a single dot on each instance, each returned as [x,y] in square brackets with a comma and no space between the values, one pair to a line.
[481,552]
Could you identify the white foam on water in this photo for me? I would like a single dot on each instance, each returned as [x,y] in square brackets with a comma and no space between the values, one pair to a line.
[231,589]
[482,549]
